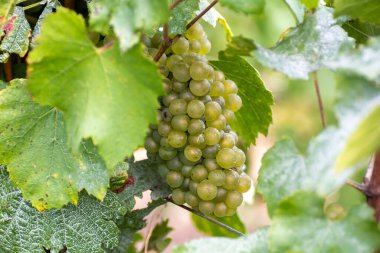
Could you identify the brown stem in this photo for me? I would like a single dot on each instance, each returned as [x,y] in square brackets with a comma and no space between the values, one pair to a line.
[320,103]
[177,2]
[207,218]
[192,22]
[69,4]
[8,70]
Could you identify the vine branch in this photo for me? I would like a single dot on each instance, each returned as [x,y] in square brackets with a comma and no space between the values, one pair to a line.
[8,70]
[319,97]
[207,218]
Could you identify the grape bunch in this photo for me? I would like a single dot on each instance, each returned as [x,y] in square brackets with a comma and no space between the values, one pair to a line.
[193,141]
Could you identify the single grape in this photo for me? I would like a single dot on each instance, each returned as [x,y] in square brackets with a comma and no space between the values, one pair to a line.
[233,102]
[210,151]
[177,139]
[163,170]
[172,61]
[185,184]
[164,143]
[192,153]
[163,70]
[196,126]
[169,98]
[174,164]
[184,160]
[218,75]
[205,45]
[210,164]
[212,111]
[178,196]
[207,190]
[186,170]
[220,209]
[181,46]
[195,109]
[197,141]
[167,154]
[150,145]
[232,180]
[181,72]
[220,100]
[195,31]
[178,86]
[217,177]
[178,106]
[219,123]
[244,183]
[230,87]
[227,141]
[226,158]
[191,199]
[230,212]
[206,207]
[217,89]
[198,173]
[167,85]
[193,57]
[187,95]
[212,136]
[221,194]
[234,199]
[199,70]
[193,187]
[228,115]
[205,99]
[195,46]
[180,122]
[199,88]
[174,179]
[164,129]
[240,157]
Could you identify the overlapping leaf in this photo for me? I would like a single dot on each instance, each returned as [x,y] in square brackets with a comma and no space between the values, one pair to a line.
[255,116]
[6,9]
[49,8]
[245,6]
[104,94]
[365,10]
[181,15]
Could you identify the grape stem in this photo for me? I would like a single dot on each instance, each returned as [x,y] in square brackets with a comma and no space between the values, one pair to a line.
[167,42]
[206,217]
[319,97]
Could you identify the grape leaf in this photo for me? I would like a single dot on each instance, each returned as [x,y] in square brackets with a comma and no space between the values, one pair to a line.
[181,15]
[85,228]
[297,8]
[240,45]
[365,10]
[255,115]
[33,146]
[363,61]
[159,239]
[6,8]
[212,229]
[245,6]
[361,31]
[300,225]
[17,31]
[306,48]
[127,17]
[49,8]
[104,94]
[253,243]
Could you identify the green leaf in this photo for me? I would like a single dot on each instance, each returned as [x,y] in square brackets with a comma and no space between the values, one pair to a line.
[361,31]
[297,8]
[85,228]
[127,17]
[300,225]
[212,229]
[245,6]
[33,146]
[240,45]
[255,115]
[310,4]
[6,8]
[181,15]
[253,243]
[104,94]
[17,31]
[365,10]
[363,61]
[159,239]
[306,48]
[49,8]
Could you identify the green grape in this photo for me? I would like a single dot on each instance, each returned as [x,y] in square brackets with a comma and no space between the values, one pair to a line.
[186,170]
[230,212]
[217,89]
[181,72]
[179,86]
[199,88]
[195,31]
[230,87]
[169,98]
[191,199]
[172,61]
[210,151]
[163,170]
[193,57]
[206,207]
[153,126]
[240,157]
[217,177]
[228,115]
[185,184]
[156,40]
[177,139]
[163,70]
[187,95]
[197,141]
[174,179]
[233,102]
[146,40]
[198,173]
[234,199]
[174,164]
[227,141]
[221,194]
[212,136]
[192,153]
[199,70]
[212,111]
[220,101]
[178,196]
[195,46]
[220,209]
[167,154]
[205,45]
[210,164]
[164,143]
[226,158]
[219,123]
[180,122]
[167,85]
[164,129]
[150,145]
[181,46]
[218,76]
[232,180]
[152,156]
[195,109]
[196,126]
[184,160]
[245,183]
[205,99]
[207,190]
[178,106]
[193,187]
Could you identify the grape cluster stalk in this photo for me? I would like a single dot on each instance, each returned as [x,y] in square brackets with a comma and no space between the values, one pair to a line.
[193,142]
